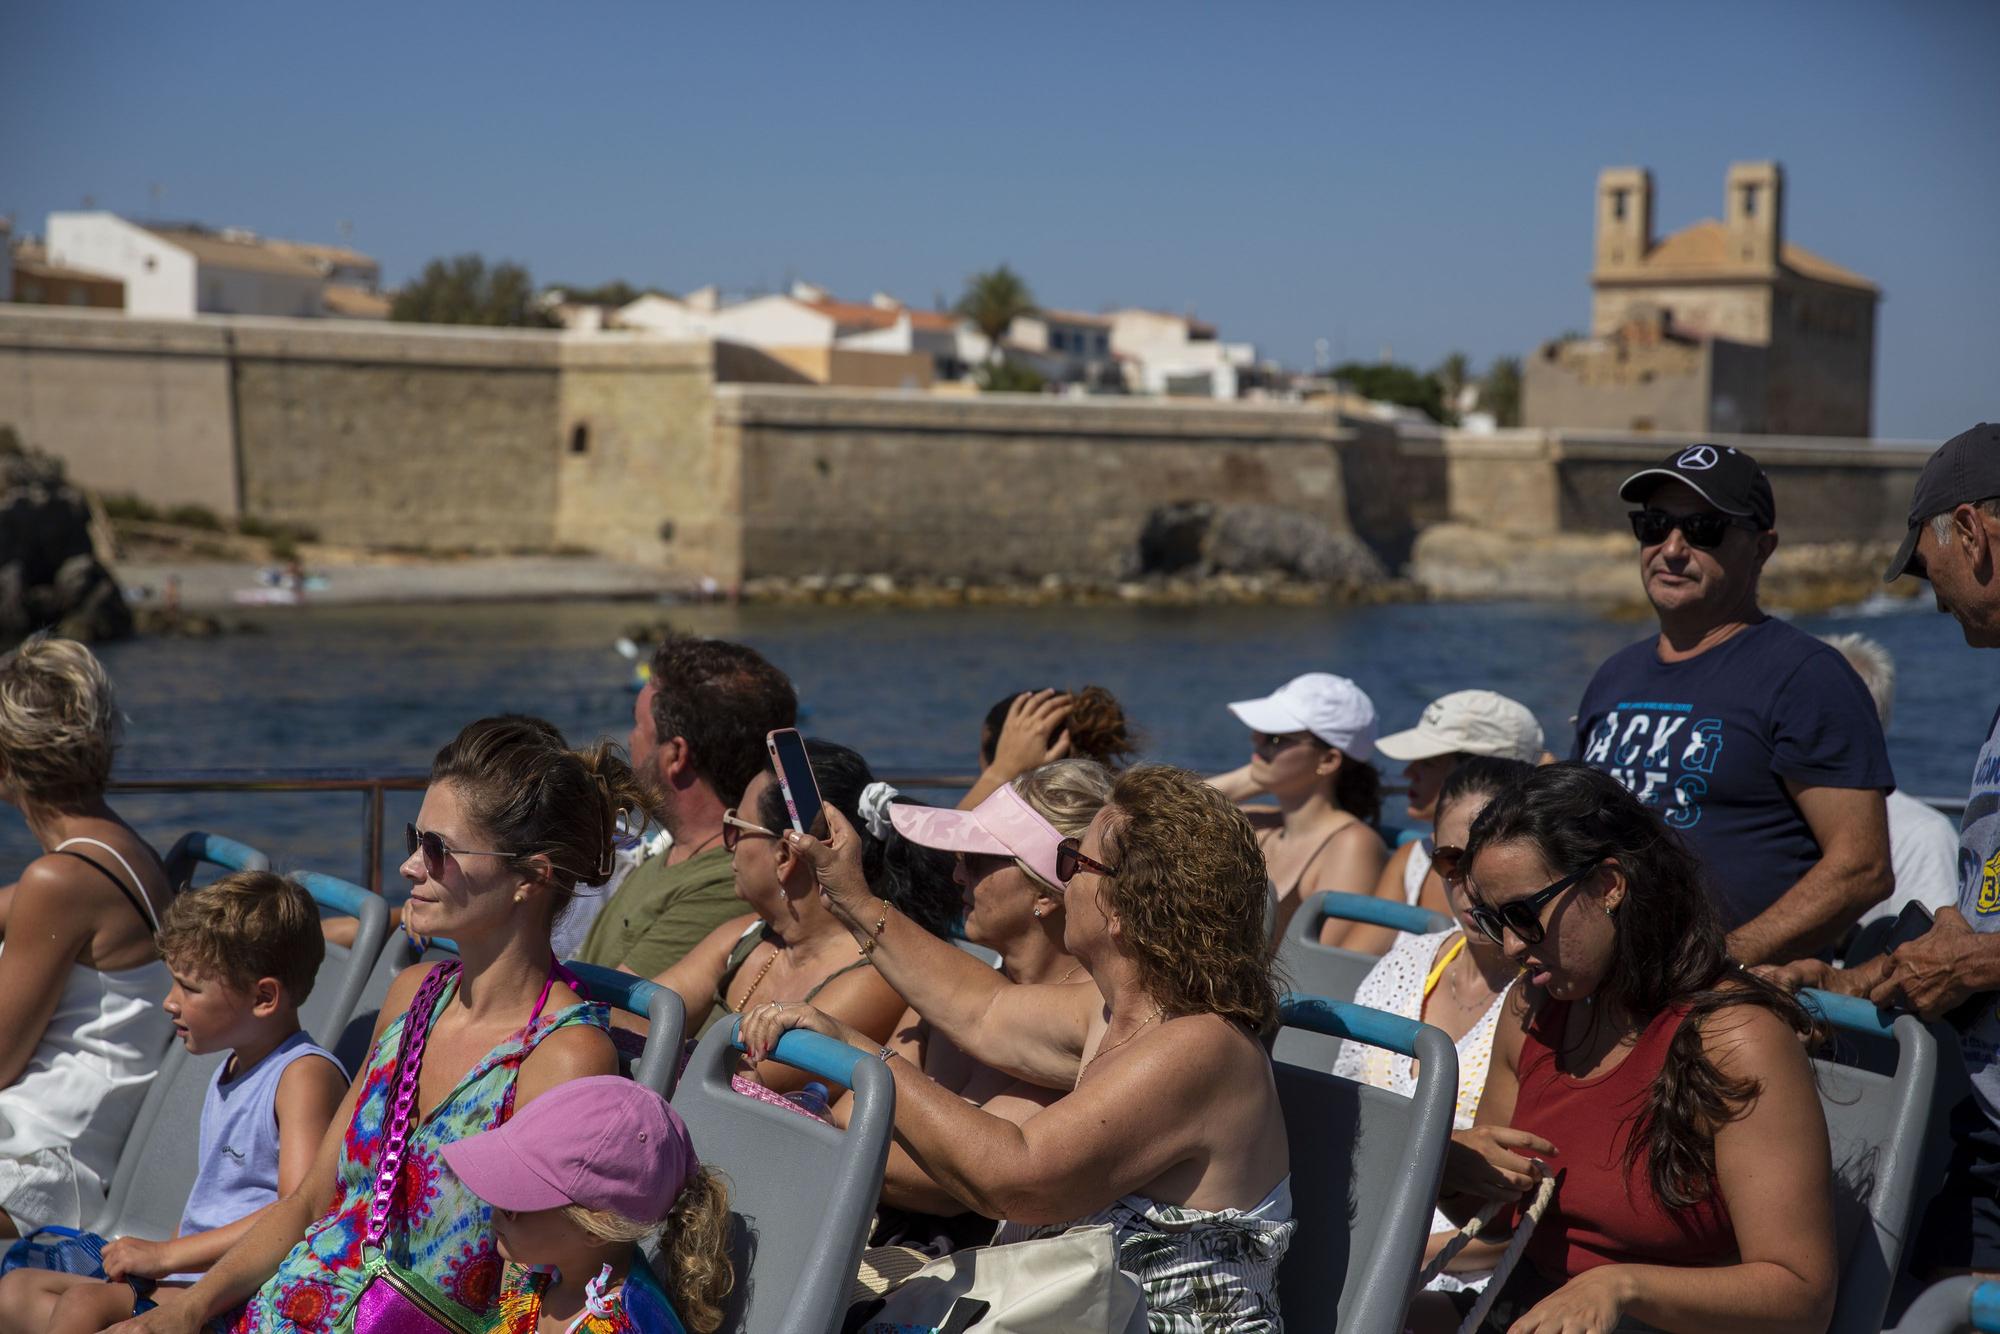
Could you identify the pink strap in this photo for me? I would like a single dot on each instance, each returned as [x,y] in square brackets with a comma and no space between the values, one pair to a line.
[409,1071]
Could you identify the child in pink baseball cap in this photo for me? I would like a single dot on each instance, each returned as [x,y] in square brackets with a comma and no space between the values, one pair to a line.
[577,1179]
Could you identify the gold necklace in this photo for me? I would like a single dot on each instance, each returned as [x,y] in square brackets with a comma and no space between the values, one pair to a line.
[1158,1011]
[757,980]
[1066,976]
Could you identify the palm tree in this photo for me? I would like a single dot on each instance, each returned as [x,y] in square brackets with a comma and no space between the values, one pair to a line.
[992,301]
[1452,376]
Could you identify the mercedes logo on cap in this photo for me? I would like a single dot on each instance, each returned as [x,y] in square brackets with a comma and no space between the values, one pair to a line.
[1699,459]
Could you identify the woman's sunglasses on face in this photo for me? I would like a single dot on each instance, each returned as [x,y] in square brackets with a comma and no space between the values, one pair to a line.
[1522,916]
[435,850]
[1270,743]
[1704,531]
[734,829]
[1070,860]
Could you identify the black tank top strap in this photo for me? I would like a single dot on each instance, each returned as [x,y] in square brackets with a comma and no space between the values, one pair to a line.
[108,874]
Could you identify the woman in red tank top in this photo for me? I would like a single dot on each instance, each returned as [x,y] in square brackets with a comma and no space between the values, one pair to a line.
[1667,1088]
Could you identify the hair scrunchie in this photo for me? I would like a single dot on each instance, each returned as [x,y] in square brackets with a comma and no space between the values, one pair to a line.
[874,808]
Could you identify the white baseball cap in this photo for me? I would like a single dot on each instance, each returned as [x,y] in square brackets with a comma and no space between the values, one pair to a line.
[1470,722]
[1332,708]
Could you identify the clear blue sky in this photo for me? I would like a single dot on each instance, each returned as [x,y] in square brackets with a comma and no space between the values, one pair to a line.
[1415,177]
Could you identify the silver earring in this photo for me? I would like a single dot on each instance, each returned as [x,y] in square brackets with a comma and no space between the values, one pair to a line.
[520,898]
[1038,912]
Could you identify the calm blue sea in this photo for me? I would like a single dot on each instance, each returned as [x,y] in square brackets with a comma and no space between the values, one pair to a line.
[382,689]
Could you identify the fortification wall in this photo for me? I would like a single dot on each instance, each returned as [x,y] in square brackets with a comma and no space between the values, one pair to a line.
[1002,486]
[130,406]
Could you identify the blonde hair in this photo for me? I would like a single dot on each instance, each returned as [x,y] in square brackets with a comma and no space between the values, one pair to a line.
[694,1246]
[58,722]
[1066,793]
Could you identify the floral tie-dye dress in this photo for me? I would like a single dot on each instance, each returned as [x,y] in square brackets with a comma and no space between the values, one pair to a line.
[438,1230]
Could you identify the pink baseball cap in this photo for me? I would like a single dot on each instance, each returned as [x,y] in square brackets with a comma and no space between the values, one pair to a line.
[603,1142]
[1003,825]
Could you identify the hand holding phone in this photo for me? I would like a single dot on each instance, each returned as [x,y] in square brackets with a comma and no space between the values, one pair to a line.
[795,779]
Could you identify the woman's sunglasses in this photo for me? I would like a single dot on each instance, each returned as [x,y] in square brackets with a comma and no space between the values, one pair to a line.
[734,828]
[1704,531]
[435,849]
[1522,916]
[1070,860]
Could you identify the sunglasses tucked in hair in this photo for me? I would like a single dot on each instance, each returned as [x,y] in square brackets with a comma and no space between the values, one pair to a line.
[1704,530]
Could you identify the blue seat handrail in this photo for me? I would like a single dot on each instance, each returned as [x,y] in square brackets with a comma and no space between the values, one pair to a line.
[330,891]
[219,850]
[1986,1308]
[623,990]
[814,1053]
[1848,1012]
[1345,1019]
[1379,912]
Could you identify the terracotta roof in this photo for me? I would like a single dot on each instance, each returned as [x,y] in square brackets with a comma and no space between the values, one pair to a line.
[254,256]
[32,260]
[355,304]
[1073,317]
[858,315]
[1705,246]
[937,321]
[330,256]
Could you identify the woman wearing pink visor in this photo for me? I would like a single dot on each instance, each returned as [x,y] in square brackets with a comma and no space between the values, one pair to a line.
[1006,854]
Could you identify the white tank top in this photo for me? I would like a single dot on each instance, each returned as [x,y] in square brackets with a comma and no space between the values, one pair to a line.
[82,1088]
[1415,869]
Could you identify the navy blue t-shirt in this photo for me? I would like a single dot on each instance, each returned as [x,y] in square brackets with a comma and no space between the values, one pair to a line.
[1709,742]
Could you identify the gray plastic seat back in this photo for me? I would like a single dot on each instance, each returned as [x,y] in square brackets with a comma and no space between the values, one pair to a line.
[344,974]
[1878,1125]
[801,1193]
[665,1015]
[352,1044]
[156,1167]
[1366,1165]
[1313,969]
[1954,1305]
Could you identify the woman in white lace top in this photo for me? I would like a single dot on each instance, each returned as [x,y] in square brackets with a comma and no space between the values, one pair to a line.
[1452,979]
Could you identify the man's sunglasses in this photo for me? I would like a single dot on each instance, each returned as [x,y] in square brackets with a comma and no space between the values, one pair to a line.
[735,828]
[1522,916]
[1704,530]
[436,849]
[1070,860]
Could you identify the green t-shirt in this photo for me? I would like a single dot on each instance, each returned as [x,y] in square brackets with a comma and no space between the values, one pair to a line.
[661,912]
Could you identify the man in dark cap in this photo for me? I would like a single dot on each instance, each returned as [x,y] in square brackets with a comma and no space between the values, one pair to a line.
[1954,969]
[1753,739]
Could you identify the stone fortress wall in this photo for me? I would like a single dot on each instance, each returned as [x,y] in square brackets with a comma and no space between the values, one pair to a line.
[708,459]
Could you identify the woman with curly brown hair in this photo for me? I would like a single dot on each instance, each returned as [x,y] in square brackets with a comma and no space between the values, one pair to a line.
[1170,1130]
[1667,1086]
[1031,728]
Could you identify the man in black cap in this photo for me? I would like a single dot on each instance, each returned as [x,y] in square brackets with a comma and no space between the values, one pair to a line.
[1954,969]
[1753,739]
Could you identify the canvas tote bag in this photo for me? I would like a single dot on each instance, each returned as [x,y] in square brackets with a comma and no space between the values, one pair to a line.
[1066,1282]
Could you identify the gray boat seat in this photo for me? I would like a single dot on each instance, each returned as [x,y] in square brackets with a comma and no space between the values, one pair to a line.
[1879,1125]
[196,849]
[1366,1165]
[344,973]
[156,1167]
[989,957]
[352,1045]
[1954,1305]
[658,1065]
[1313,969]
[801,1193]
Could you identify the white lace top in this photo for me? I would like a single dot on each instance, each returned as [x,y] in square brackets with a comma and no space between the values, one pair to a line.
[1415,869]
[1396,985]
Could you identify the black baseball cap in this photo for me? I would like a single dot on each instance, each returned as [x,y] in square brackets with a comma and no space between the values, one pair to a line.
[1723,475]
[1964,471]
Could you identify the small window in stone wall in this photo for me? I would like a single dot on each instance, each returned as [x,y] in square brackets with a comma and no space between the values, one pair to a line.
[579,438]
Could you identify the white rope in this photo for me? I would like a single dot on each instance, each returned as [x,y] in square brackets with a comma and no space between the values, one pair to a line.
[1509,1258]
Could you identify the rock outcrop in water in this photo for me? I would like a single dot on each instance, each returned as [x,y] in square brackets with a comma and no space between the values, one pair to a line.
[50,577]
[1200,538]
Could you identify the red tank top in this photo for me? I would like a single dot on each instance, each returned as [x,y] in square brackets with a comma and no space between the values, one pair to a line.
[1604,1212]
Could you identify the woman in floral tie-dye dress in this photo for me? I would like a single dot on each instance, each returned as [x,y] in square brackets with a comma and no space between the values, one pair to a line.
[511,822]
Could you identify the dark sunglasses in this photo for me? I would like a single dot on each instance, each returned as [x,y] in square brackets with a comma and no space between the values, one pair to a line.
[1704,531]
[436,849]
[1522,916]
[1447,860]
[1273,742]
[735,829]
[1070,860]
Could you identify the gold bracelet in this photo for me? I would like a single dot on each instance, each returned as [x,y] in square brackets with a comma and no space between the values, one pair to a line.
[875,936]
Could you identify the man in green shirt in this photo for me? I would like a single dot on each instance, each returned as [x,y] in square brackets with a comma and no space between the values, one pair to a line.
[697,740]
